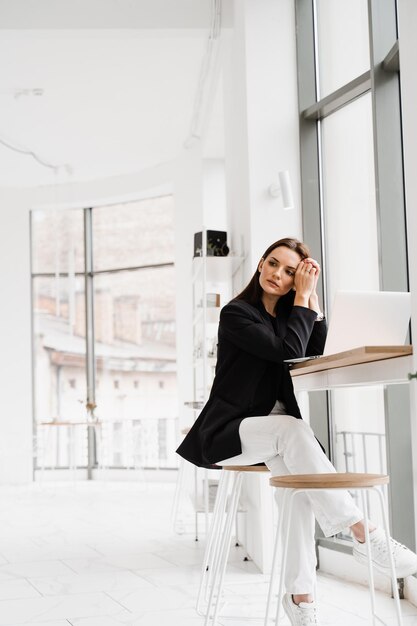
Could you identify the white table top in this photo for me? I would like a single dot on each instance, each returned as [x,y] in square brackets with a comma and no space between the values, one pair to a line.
[368,365]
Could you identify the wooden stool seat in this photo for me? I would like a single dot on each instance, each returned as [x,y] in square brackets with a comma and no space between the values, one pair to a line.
[329,481]
[245,468]
[294,484]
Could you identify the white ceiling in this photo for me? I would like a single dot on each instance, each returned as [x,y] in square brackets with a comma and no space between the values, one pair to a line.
[118,80]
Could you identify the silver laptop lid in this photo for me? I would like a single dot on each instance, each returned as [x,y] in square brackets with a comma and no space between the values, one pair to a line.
[368,318]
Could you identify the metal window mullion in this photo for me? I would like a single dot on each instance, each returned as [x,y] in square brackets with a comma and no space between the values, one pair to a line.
[310,165]
[392,244]
[386,115]
[391,62]
[89,334]
[35,431]
[133,268]
[339,98]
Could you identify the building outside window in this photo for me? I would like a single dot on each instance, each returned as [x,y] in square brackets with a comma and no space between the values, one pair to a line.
[133,332]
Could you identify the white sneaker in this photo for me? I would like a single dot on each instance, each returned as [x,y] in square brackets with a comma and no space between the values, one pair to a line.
[303,614]
[405,560]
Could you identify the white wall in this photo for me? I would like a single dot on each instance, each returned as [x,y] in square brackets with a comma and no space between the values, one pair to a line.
[214,194]
[261,123]
[15,341]
[261,138]
[188,177]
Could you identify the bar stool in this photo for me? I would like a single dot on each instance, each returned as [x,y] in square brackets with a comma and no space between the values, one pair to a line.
[294,484]
[179,487]
[219,538]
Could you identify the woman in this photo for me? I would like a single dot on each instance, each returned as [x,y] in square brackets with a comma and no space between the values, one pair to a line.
[252,415]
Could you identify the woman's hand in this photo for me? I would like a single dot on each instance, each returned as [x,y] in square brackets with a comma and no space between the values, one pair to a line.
[305,283]
[313,302]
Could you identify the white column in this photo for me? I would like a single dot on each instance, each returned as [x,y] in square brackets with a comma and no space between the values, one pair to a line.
[214,194]
[261,123]
[188,177]
[15,341]
[261,139]
[407,26]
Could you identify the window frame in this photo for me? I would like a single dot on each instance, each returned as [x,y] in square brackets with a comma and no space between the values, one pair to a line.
[382,81]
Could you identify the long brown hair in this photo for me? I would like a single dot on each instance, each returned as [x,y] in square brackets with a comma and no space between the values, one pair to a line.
[252,293]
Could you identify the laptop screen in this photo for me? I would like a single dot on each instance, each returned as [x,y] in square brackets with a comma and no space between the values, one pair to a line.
[368,318]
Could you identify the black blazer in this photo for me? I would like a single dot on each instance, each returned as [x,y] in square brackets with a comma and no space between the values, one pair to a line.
[250,373]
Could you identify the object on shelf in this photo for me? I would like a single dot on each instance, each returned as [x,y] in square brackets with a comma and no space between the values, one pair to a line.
[216,243]
[211,347]
[213,299]
[194,404]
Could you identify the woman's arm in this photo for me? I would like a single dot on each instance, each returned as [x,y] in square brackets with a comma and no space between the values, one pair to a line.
[317,339]
[318,336]
[242,325]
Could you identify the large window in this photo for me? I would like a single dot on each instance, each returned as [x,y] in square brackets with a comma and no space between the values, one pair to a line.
[353,210]
[349,206]
[343,42]
[104,336]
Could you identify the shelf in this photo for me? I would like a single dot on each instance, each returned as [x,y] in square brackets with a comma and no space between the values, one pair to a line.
[212,314]
[218,268]
[194,404]
[211,360]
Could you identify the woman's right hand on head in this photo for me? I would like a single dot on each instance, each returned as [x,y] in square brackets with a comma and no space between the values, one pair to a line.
[304,280]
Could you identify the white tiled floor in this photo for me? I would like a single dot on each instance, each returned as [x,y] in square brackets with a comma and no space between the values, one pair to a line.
[95,554]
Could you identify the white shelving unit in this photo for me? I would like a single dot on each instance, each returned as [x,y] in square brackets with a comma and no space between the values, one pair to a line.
[212,279]
[210,275]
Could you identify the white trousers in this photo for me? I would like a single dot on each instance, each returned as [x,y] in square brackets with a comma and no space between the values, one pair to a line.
[287,446]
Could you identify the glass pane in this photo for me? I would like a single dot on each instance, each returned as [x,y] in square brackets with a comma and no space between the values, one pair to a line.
[352,264]
[360,449]
[136,367]
[359,417]
[58,241]
[134,234]
[343,42]
[60,378]
[349,199]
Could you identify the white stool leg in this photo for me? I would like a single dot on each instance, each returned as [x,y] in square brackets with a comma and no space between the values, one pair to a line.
[72,447]
[224,549]
[275,554]
[220,529]
[369,556]
[178,491]
[396,595]
[213,538]
[206,502]
[45,450]
[287,522]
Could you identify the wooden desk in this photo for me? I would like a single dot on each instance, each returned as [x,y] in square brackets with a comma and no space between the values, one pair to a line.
[377,365]
[368,365]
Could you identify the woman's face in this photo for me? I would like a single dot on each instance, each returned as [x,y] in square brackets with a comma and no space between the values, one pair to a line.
[277,271]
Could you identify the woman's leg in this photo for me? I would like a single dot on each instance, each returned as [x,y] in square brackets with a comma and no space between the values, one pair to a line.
[287,445]
[285,438]
[300,575]
[258,437]
[282,441]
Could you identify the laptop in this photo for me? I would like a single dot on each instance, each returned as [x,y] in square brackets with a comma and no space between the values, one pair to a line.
[366,318]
